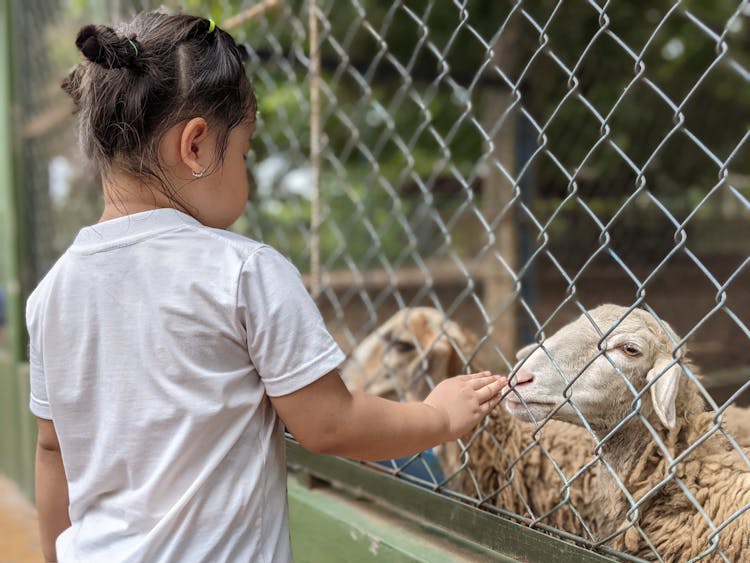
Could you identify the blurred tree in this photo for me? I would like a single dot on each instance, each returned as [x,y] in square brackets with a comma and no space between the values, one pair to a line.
[404,99]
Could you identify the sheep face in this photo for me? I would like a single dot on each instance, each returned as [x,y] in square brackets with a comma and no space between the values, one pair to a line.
[406,356]
[600,376]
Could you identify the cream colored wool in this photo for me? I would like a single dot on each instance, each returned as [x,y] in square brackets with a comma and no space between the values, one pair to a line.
[515,474]
[715,473]
[737,423]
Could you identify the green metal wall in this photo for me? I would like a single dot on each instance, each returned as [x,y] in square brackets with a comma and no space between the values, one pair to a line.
[17,426]
[16,423]
[329,525]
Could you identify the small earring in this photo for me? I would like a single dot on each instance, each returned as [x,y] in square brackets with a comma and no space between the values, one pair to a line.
[199,174]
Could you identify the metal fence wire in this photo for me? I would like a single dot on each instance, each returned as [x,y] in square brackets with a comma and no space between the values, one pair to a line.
[508,164]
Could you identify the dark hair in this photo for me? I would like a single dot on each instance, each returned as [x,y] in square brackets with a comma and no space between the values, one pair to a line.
[148,75]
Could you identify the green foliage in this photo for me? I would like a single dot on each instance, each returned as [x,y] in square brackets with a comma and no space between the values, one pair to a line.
[405,107]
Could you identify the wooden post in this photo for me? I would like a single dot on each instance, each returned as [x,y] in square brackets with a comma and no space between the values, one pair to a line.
[499,188]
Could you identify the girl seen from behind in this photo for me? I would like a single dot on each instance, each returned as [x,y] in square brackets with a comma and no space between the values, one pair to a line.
[167,353]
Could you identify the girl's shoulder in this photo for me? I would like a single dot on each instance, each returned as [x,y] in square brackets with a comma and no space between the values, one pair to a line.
[245,246]
[38,297]
[248,248]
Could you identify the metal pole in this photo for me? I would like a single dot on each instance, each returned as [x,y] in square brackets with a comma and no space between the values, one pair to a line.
[315,149]
[501,118]
[526,241]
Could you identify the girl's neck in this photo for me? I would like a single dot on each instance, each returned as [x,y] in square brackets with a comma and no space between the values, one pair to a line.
[125,195]
[114,211]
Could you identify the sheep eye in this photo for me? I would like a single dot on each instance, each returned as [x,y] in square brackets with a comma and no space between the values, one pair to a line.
[402,346]
[630,350]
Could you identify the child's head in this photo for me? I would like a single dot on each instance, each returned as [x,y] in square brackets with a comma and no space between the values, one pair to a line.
[163,100]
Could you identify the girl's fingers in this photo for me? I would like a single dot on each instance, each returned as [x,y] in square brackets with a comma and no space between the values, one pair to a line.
[472,376]
[480,380]
[487,406]
[491,390]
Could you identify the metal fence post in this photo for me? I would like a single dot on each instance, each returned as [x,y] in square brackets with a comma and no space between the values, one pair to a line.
[10,458]
[525,145]
[315,147]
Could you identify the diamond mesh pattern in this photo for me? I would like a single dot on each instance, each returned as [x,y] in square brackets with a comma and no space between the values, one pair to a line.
[510,164]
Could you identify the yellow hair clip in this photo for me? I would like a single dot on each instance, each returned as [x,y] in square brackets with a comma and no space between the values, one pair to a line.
[211,25]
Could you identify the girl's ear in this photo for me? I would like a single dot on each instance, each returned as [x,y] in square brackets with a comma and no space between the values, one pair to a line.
[195,150]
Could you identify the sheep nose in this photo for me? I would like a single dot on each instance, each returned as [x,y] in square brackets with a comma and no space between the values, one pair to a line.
[522,377]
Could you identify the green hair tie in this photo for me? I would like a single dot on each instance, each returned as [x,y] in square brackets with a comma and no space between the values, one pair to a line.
[132,44]
[211,25]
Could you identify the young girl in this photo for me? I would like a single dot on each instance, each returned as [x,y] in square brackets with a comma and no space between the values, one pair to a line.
[166,353]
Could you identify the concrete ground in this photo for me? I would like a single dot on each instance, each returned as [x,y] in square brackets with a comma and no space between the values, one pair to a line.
[19,537]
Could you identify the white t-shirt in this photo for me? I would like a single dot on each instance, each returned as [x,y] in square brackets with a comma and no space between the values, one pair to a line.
[155,342]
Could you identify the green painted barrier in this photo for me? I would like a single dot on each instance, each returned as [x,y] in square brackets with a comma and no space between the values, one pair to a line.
[17,425]
[504,539]
[333,527]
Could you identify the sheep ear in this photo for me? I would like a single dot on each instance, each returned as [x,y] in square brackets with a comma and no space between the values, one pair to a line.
[463,343]
[525,352]
[440,359]
[664,390]
[456,364]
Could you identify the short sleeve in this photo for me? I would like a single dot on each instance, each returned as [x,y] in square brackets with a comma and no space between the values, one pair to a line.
[38,402]
[287,339]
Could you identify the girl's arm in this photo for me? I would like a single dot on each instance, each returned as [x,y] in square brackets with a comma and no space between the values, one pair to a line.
[326,418]
[51,488]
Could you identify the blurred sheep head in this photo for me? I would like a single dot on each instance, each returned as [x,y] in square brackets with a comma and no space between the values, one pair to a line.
[409,354]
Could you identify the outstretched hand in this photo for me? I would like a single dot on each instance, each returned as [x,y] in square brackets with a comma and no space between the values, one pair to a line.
[326,418]
[462,401]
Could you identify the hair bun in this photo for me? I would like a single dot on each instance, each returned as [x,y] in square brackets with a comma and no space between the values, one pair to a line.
[101,45]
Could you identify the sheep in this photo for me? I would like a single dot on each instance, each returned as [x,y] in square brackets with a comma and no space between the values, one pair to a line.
[417,348]
[737,423]
[608,357]
[405,357]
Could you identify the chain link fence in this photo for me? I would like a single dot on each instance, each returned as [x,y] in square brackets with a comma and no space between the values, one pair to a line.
[508,164]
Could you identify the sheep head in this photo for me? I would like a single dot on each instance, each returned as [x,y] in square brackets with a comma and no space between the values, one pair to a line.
[595,361]
[409,354]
